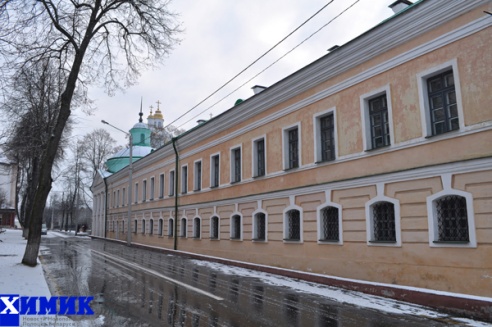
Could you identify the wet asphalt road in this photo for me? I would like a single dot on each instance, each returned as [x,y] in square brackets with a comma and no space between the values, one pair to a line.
[135,287]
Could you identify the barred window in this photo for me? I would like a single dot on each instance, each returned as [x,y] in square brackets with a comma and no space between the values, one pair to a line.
[236,227]
[329,224]
[214,228]
[183,227]
[260,227]
[452,219]
[196,227]
[170,227]
[383,222]
[293,225]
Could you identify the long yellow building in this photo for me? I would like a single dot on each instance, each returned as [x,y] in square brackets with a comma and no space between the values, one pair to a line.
[373,163]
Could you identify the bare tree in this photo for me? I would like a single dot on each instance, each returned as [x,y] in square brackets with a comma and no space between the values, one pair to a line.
[110,41]
[95,148]
[163,135]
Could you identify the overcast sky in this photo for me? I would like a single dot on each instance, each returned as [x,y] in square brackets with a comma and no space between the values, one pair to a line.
[221,38]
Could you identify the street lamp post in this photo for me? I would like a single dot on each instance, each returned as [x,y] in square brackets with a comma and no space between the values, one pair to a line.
[130,176]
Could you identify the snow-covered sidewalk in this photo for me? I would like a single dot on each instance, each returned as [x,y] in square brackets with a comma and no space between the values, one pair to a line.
[16,277]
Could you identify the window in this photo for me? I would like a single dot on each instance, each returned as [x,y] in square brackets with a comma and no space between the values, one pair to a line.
[182,230]
[152,186]
[383,222]
[442,103]
[440,99]
[198,176]
[122,226]
[151,227]
[184,179]
[197,227]
[114,199]
[329,224]
[236,227]
[123,198]
[170,227]
[118,198]
[292,225]
[214,228]
[161,186]
[291,147]
[377,118]
[171,183]
[259,158]
[236,165]
[214,170]
[160,227]
[143,226]
[135,225]
[325,131]
[144,191]
[136,192]
[259,227]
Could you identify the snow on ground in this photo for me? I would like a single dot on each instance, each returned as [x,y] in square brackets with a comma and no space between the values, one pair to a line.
[339,295]
[29,281]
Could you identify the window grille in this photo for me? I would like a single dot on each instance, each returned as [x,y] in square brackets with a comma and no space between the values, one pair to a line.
[293,148]
[196,229]
[327,131]
[260,157]
[236,227]
[378,117]
[214,229]
[383,214]
[442,103]
[293,225]
[260,226]
[452,219]
[183,227]
[329,224]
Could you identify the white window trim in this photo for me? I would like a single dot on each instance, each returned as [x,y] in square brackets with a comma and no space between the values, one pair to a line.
[218,227]
[432,216]
[329,203]
[317,133]
[195,180]
[380,197]
[236,213]
[232,162]
[254,155]
[366,122]
[183,181]
[285,145]
[160,227]
[212,170]
[422,78]
[194,229]
[172,183]
[253,236]
[293,206]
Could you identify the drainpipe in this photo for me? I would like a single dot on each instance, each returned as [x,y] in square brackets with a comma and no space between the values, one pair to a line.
[175,194]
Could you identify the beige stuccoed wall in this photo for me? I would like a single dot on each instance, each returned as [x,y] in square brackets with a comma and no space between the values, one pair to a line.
[415,262]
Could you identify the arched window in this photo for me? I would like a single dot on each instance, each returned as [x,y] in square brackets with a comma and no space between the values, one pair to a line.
[329,220]
[160,227]
[383,223]
[214,228]
[236,227]
[451,216]
[183,227]
[143,226]
[197,227]
[135,225]
[151,227]
[292,225]
[259,227]
[170,227]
